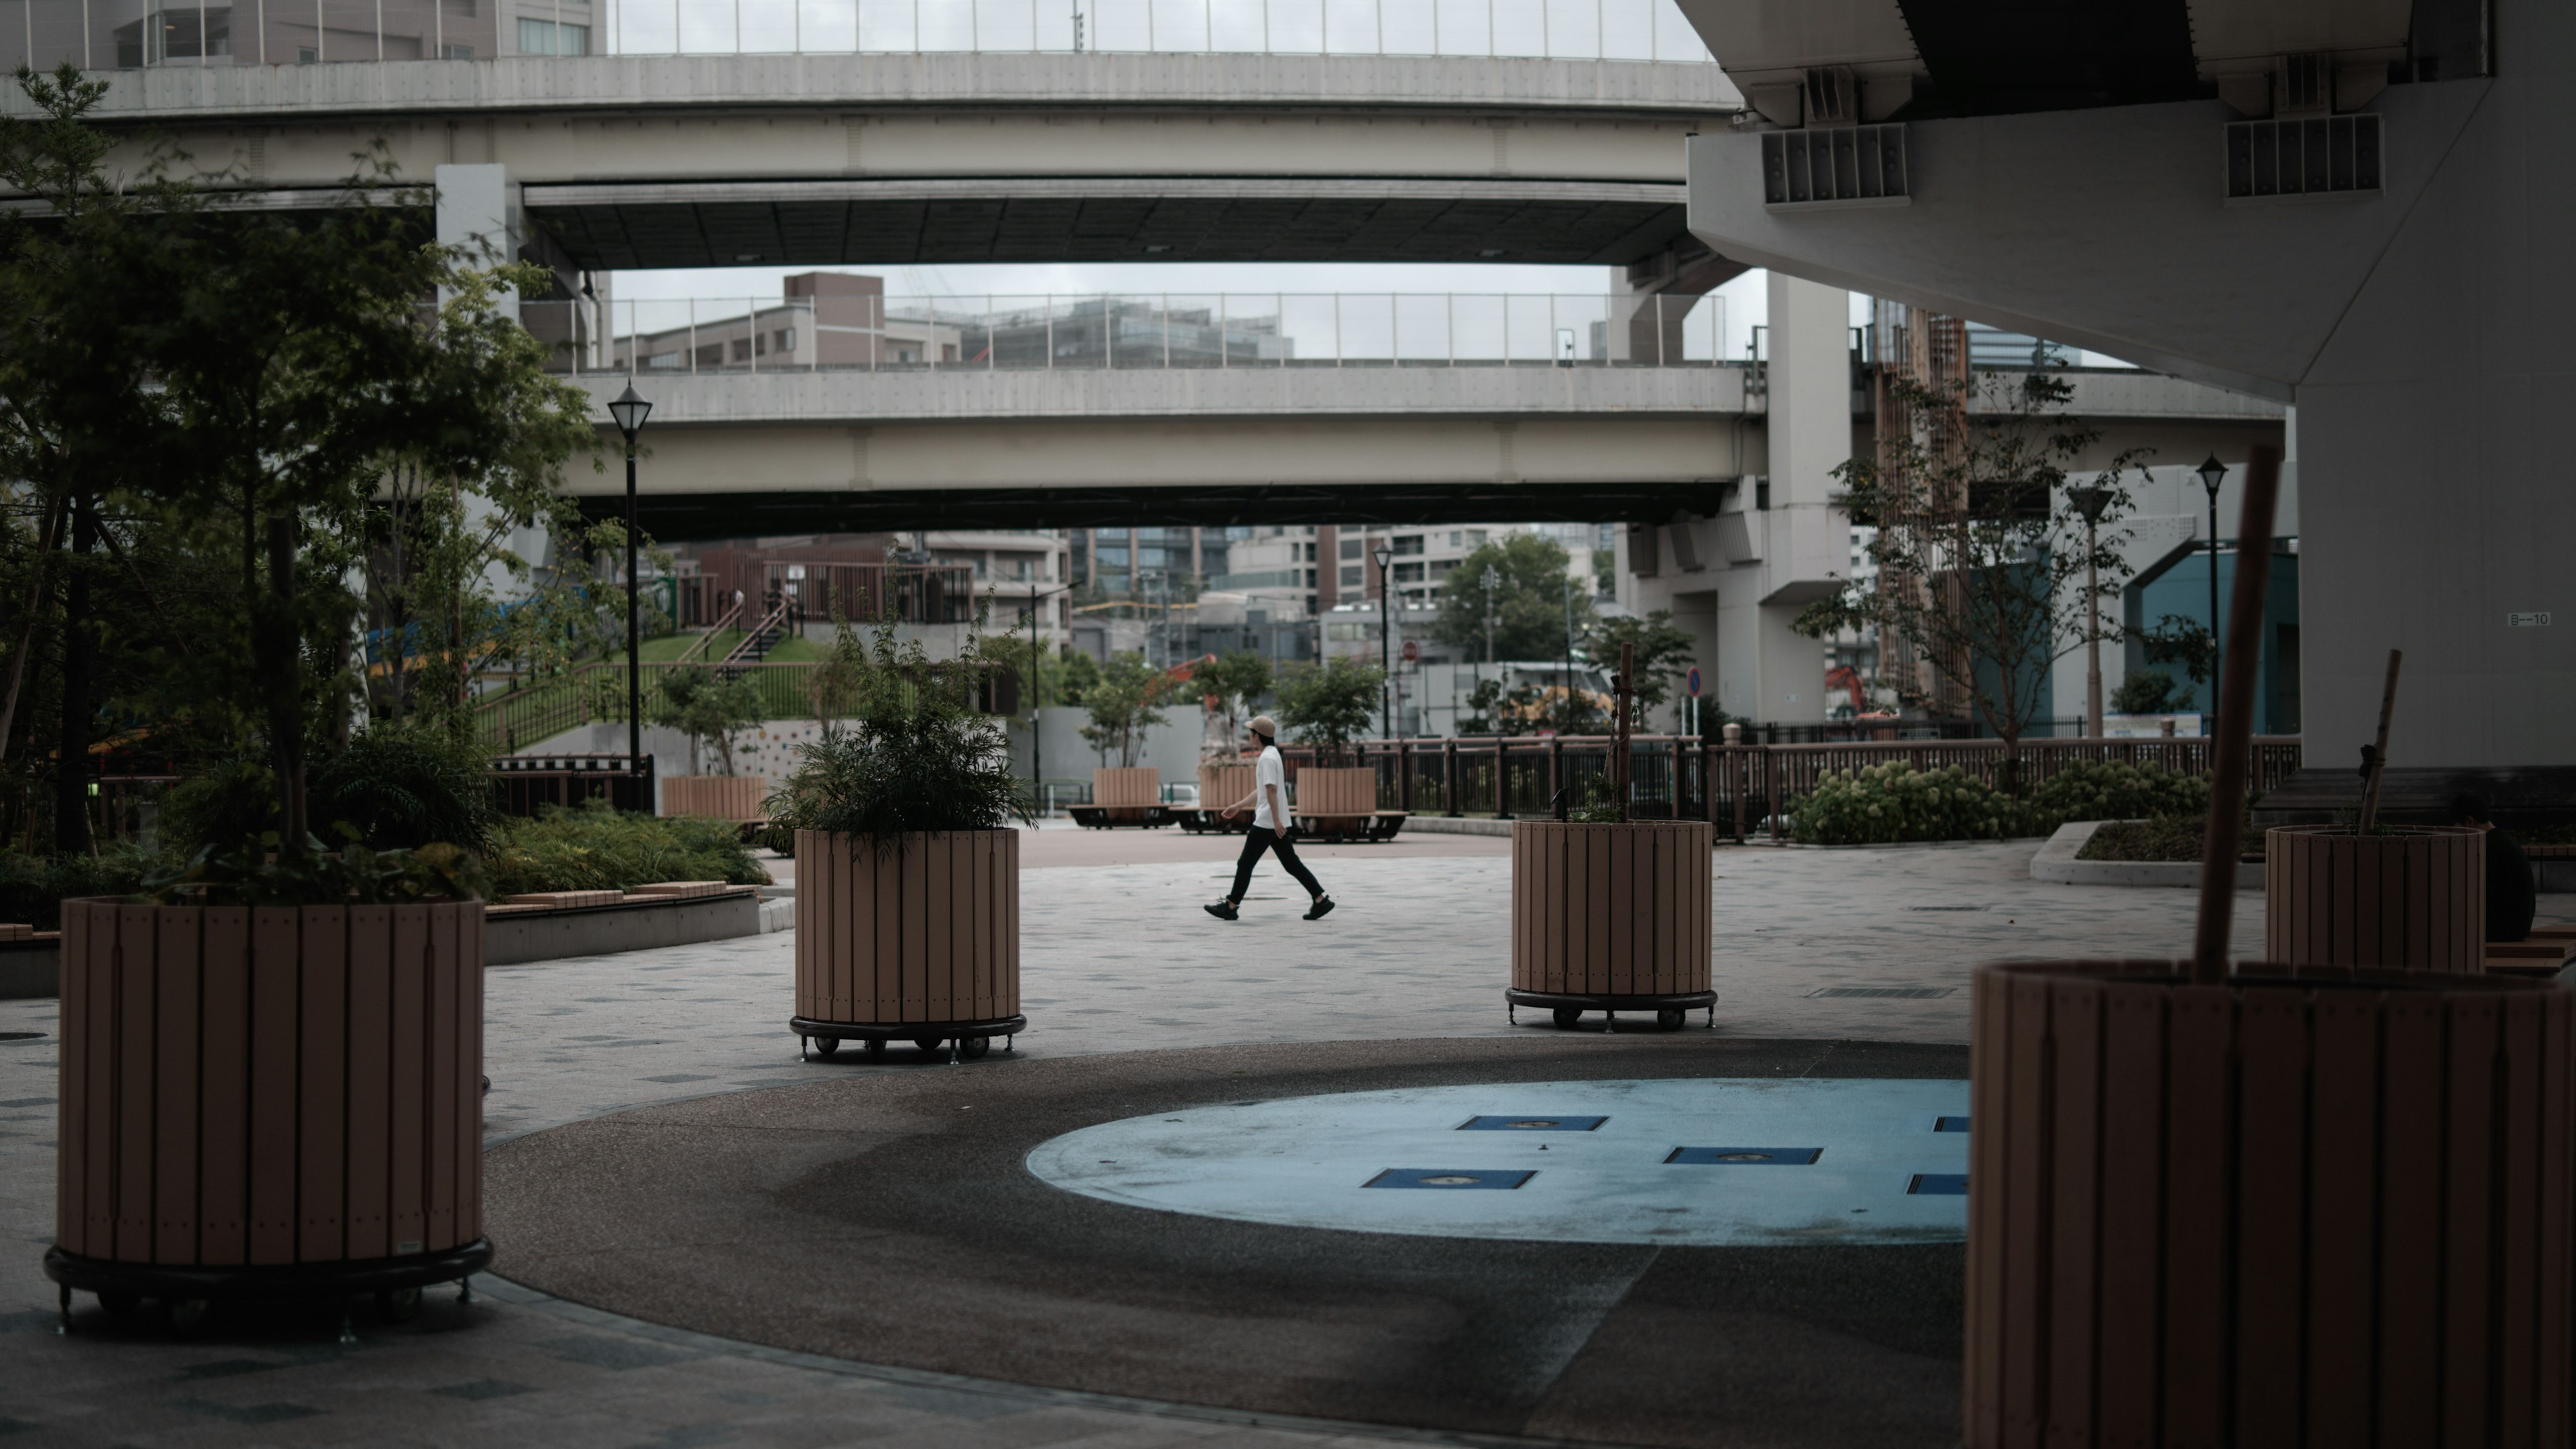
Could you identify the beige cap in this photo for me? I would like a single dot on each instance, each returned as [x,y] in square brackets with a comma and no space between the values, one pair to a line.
[1263,724]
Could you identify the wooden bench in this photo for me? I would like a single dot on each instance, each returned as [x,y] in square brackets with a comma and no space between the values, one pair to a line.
[2521,798]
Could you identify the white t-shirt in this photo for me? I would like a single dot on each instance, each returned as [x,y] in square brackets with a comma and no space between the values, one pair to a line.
[1270,773]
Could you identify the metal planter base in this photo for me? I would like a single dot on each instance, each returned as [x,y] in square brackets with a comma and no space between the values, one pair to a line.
[1570,1006]
[967,1040]
[385,1277]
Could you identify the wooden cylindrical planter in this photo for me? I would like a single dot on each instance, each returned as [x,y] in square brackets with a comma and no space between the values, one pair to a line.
[718,797]
[2412,900]
[921,945]
[1335,793]
[2306,1207]
[261,1100]
[1612,917]
[1124,788]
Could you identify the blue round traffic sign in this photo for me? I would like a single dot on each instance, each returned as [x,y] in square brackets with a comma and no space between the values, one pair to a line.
[1692,684]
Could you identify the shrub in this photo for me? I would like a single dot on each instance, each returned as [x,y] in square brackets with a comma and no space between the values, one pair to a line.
[596,848]
[33,887]
[229,802]
[917,755]
[2113,791]
[404,787]
[2144,691]
[1884,804]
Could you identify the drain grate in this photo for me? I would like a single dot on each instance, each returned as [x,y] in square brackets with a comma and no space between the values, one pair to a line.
[1904,993]
[1938,1184]
[22,1036]
[1746,1156]
[1949,1124]
[1945,908]
[1531,1124]
[1449,1179]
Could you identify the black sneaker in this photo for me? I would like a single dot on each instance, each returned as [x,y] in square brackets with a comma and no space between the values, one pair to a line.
[1223,911]
[1323,907]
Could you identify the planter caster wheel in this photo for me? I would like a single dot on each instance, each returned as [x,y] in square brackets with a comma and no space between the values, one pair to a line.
[1567,1016]
[827,1047]
[399,1305]
[928,1043]
[973,1048]
[121,1305]
[876,1051]
[1668,1019]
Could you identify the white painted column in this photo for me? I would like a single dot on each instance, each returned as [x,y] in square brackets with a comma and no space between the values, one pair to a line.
[1765,670]
[478,208]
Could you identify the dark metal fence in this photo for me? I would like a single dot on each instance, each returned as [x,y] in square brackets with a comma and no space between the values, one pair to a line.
[1744,789]
[522,783]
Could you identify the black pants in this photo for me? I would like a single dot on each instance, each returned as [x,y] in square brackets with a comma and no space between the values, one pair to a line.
[1258,839]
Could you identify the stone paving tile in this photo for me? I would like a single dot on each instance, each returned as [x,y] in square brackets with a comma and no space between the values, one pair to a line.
[1116,958]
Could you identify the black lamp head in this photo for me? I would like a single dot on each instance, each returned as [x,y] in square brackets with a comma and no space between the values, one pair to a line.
[630,410]
[2212,474]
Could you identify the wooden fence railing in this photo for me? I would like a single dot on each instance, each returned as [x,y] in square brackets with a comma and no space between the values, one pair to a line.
[1741,788]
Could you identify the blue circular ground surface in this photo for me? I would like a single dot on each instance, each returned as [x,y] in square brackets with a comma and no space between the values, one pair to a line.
[1694,1162]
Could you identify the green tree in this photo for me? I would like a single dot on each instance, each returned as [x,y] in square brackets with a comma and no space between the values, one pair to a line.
[1123,704]
[1236,679]
[1496,710]
[1529,600]
[1664,655]
[2184,642]
[2144,691]
[1981,550]
[1328,705]
[1073,677]
[702,704]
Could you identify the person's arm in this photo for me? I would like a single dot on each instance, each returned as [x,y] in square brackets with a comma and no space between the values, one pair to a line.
[1239,806]
[1278,807]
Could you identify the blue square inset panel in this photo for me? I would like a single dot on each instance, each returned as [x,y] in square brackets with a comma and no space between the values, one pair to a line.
[1949,1124]
[1450,1179]
[1746,1156]
[1938,1184]
[1531,1124]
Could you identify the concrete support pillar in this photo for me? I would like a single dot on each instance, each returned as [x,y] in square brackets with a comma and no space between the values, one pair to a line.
[478,209]
[1766,671]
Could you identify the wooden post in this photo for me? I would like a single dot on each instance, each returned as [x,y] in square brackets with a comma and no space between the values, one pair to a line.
[1449,774]
[1404,776]
[2376,763]
[1619,761]
[1556,774]
[2235,720]
[1679,755]
[1502,793]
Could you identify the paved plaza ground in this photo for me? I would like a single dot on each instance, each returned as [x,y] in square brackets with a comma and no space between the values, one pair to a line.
[1118,958]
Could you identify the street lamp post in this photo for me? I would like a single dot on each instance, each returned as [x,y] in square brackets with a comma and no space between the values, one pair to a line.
[1493,580]
[2213,473]
[2090,502]
[630,410]
[1385,641]
[1569,652]
[1037,721]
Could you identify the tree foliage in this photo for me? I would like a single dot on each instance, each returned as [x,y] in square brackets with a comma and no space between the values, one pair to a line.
[1236,679]
[1529,600]
[1330,704]
[1124,703]
[709,708]
[1664,655]
[1980,549]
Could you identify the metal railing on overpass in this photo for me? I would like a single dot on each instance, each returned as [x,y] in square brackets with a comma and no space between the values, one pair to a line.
[140,34]
[873,333]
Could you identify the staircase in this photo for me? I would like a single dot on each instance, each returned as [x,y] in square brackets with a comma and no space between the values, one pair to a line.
[756,643]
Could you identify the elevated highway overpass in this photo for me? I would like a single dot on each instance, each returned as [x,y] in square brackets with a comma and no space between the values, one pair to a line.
[624,161]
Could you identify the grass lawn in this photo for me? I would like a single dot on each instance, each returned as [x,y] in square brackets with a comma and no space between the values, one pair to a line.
[672,646]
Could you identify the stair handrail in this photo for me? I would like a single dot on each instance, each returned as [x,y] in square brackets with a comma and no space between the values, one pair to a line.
[750,649]
[731,613]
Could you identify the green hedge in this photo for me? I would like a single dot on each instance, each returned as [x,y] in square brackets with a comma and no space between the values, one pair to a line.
[1891,803]
[596,848]
[34,887]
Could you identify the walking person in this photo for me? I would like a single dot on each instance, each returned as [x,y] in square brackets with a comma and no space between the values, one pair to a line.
[1272,828]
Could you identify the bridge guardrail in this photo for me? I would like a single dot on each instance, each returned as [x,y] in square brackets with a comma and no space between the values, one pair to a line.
[136,34]
[869,332]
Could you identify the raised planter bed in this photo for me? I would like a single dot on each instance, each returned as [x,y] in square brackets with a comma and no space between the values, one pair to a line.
[269,1102]
[718,797]
[2057,862]
[1337,802]
[922,947]
[651,917]
[1612,918]
[2314,1207]
[2411,900]
[1220,785]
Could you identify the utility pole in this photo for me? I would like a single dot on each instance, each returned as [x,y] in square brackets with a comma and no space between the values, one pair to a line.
[1493,578]
[2090,502]
[1569,652]
[1385,643]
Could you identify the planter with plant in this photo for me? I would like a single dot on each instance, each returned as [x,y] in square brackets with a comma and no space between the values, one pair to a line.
[272,1058]
[907,865]
[1124,702]
[2409,898]
[709,709]
[2254,1204]
[1611,914]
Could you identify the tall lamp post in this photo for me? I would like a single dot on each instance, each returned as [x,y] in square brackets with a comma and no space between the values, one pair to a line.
[1037,721]
[1493,581]
[2212,474]
[630,410]
[1569,652]
[2090,502]
[1385,642]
